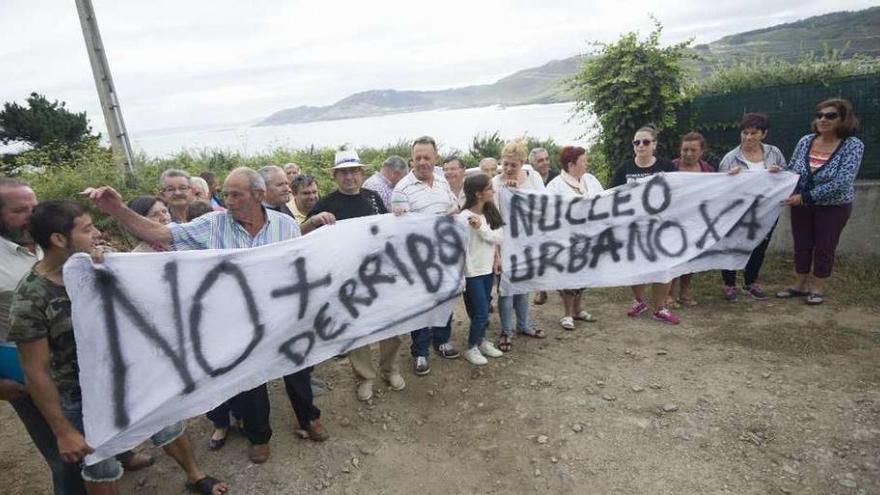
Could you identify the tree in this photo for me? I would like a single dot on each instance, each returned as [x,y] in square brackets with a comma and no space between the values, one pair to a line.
[42,122]
[627,84]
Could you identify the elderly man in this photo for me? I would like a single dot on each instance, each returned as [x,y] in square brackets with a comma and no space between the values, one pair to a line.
[176,192]
[291,170]
[539,159]
[245,224]
[41,323]
[384,180]
[350,200]
[423,191]
[453,171]
[303,198]
[489,166]
[277,189]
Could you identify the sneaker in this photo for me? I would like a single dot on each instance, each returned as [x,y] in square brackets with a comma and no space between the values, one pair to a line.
[488,349]
[420,366]
[637,308]
[666,316]
[729,293]
[365,390]
[756,292]
[474,357]
[446,350]
[395,381]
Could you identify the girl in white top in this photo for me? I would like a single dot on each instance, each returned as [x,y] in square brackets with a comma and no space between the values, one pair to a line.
[514,176]
[480,264]
[574,180]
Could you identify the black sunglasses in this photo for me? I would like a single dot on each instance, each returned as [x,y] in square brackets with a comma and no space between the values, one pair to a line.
[827,115]
[643,142]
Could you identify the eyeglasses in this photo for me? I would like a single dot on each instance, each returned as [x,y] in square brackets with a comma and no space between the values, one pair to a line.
[827,115]
[180,189]
[643,142]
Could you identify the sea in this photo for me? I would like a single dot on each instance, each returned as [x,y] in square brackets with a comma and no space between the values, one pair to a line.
[453,129]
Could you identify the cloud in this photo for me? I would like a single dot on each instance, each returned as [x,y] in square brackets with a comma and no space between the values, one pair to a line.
[198,62]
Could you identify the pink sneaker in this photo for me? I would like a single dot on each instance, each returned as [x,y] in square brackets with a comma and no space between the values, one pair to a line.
[637,308]
[666,316]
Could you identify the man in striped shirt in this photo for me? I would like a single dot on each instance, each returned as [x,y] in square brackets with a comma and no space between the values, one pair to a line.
[423,191]
[245,224]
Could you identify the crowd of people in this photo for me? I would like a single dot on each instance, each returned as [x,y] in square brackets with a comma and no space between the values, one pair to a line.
[38,365]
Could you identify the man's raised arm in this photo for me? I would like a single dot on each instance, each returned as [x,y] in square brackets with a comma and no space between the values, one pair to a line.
[110,202]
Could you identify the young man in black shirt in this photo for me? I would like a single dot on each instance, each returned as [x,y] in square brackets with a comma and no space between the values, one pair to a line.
[349,200]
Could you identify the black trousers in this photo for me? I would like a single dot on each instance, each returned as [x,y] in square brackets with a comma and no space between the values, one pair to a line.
[753,267]
[299,390]
[253,406]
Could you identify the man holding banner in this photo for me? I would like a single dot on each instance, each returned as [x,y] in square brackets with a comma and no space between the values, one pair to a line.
[245,224]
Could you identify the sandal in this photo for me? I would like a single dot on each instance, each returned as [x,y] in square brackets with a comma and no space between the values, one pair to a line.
[535,334]
[815,299]
[205,486]
[505,343]
[585,316]
[686,302]
[791,293]
[567,322]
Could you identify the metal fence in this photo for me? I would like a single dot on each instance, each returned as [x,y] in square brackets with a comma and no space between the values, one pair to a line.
[791,109]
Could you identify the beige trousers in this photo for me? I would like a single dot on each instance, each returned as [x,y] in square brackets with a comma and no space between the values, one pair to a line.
[361,359]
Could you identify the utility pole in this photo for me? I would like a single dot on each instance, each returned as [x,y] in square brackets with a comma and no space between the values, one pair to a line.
[119,142]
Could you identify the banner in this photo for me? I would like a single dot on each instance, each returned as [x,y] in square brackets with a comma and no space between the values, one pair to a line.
[167,336]
[650,230]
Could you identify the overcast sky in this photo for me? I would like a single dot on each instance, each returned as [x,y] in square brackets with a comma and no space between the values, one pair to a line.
[193,62]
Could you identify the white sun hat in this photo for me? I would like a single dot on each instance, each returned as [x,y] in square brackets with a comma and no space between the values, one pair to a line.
[347,159]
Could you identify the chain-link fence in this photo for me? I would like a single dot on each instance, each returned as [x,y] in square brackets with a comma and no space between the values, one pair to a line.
[791,109]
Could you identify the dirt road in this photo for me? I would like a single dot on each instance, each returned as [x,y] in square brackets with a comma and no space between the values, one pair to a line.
[749,397]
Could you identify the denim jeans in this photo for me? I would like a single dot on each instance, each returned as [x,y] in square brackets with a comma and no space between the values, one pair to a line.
[477,294]
[104,471]
[519,304]
[423,337]
[66,477]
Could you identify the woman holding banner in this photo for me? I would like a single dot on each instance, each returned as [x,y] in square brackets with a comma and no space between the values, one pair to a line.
[828,161]
[574,180]
[645,164]
[513,175]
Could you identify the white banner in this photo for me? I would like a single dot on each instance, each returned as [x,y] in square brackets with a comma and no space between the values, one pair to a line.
[168,336]
[650,230]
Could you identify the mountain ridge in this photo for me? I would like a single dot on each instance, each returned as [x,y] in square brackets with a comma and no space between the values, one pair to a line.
[542,84]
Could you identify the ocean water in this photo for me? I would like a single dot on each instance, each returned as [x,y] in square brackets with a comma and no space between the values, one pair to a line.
[453,130]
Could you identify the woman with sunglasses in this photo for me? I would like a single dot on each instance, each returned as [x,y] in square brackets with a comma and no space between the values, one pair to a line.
[828,161]
[751,154]
[644,164]
[574,180]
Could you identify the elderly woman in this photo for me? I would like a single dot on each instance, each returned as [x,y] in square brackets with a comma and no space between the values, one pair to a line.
[751,154]
[156,210]
[645,164]
[828,161]
[574,180]
[514,176]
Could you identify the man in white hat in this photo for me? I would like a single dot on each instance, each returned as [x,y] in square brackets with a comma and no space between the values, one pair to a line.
[350,200]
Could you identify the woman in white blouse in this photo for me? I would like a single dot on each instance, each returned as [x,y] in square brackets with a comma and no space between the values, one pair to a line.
[574,180]
[513,175]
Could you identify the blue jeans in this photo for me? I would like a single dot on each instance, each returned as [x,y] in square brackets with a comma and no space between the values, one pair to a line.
[66,478]
[110,469]
[507,305]
[477,294]
[423,337]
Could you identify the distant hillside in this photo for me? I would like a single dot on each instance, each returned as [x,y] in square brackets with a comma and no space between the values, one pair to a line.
[542,84]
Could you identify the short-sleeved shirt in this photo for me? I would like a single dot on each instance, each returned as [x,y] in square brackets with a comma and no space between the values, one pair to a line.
[343,206]
[416,196]
[628,171]
[219,230]
[41,309]
[15,262]
[379,183]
